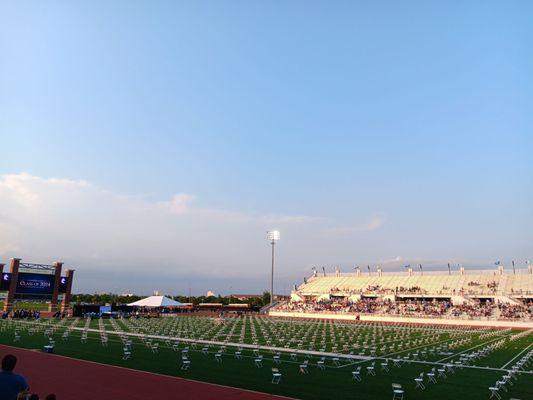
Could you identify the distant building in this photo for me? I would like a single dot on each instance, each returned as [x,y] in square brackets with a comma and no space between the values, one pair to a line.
[210,293]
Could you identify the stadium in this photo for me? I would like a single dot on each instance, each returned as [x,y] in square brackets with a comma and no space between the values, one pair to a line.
[266,199]
[478,298]
[373,336]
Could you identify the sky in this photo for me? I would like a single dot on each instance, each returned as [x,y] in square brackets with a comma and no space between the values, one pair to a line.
[151,145]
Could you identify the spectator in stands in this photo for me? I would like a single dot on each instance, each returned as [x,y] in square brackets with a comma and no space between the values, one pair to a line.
[10,383]
[51,396]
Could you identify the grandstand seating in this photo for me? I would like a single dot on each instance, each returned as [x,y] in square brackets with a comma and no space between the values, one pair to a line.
[433,283]
[479,294]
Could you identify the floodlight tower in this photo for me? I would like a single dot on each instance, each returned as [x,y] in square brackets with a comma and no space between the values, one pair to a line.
[272,237]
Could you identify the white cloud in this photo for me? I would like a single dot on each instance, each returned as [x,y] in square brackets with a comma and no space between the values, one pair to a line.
[179,203]
[8,235]
[96,230]
[374,223]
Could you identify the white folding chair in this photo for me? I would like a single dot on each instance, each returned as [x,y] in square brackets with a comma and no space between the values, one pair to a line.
[397,391]
[185,364]
[431,376]
[494,392]
[420,381]
[385,366]
[276,376]
[370,369]
[303,367]
[127,354]
[356,375]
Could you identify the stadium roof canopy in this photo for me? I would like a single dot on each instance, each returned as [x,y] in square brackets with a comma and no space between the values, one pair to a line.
[156,301]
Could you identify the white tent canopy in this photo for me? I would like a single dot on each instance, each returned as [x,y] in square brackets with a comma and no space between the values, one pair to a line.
[156,301]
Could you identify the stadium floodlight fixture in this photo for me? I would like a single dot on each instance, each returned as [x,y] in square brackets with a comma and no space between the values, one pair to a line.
[272,237]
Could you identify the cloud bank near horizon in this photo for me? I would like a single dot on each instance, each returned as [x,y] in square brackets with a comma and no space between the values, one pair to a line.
[103,234]
[125,243]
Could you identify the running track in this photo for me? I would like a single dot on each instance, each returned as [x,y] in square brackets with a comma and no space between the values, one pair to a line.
[75,379]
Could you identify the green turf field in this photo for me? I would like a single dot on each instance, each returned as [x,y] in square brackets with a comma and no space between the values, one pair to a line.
[484,354]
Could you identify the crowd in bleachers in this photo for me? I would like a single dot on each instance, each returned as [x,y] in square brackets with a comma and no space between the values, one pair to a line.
[412,290]
[371,306]
[473,287]
[481,295]
[411,307]
[479,309]
[482,283]
[515,311]
[378,289]
[491,286]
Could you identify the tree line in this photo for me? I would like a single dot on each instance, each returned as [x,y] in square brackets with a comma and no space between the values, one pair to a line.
[105,298]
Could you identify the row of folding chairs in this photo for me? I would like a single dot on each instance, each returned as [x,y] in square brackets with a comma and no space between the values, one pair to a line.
[512,375]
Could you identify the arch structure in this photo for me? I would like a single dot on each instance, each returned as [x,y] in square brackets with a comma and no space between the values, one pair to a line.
[36,282]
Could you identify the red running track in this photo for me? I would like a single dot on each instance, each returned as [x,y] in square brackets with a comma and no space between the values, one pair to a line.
[72,379]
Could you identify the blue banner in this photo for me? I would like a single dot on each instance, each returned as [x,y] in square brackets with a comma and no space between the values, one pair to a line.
[105,309]
[63,283]
[6,280]
[35,284]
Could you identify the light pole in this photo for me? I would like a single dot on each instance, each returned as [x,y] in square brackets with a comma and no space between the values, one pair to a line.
[272,236]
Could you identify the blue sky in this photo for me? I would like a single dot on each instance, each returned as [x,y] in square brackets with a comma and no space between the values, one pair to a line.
[380,129]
